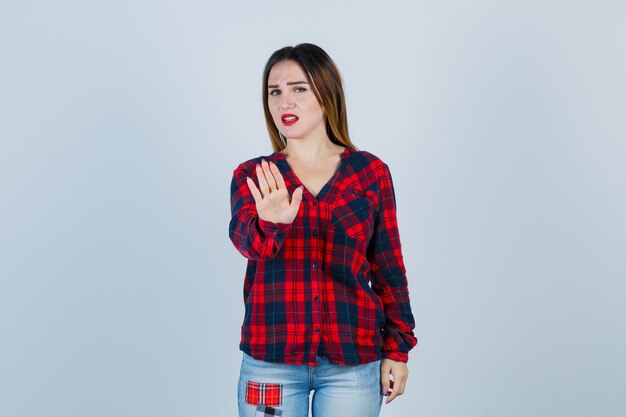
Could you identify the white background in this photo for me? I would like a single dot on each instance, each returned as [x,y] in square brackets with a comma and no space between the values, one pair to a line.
[121,123]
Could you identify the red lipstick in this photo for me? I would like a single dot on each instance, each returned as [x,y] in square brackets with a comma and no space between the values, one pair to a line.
[288,119]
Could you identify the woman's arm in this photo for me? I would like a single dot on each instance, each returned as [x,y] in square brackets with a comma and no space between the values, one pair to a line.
[388,276]
[253,237]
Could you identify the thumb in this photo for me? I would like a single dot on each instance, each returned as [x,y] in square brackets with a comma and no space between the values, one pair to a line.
[296,197]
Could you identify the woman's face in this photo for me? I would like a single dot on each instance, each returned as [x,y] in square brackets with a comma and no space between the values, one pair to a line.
[292,104]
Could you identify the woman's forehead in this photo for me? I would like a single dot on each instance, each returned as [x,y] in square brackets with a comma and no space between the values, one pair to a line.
[286,71]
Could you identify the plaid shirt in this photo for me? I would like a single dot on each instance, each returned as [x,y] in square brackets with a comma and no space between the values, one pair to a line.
[335,275]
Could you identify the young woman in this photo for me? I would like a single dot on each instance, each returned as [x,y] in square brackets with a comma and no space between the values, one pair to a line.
[326,298]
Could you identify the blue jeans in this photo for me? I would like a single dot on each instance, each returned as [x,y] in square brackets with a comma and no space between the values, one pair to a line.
[339,390]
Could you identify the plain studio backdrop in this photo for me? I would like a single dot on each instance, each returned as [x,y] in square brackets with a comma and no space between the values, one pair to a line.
[121,123]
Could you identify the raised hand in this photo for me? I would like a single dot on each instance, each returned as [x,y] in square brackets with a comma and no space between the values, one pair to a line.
[272,200]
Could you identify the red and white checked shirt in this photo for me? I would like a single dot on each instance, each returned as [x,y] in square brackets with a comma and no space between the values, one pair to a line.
[335,275]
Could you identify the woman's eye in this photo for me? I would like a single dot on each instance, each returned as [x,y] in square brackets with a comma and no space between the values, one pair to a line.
[300,89]
[274,92]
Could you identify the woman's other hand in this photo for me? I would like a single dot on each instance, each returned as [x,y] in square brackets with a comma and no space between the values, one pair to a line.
[272,201]
[400,373]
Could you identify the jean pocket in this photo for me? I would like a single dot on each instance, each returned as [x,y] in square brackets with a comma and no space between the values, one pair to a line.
[353,214]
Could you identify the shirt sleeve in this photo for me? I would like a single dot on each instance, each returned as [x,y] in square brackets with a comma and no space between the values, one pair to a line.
[253,237]
[388,274]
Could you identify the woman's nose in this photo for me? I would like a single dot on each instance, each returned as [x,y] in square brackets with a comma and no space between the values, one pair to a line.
[287,103]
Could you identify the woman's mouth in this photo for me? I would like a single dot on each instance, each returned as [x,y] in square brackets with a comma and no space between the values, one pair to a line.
[289,119]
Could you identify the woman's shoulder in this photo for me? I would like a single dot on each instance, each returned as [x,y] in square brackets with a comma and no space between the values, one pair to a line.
[366,160]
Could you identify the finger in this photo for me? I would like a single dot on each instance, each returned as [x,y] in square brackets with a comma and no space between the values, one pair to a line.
[392,391]
[399,387]
[269,176]
[280,183]
[255,192]
[391,397]
[398,384]
[262,181]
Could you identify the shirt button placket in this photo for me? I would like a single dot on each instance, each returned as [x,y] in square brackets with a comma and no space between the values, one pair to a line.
[315,281]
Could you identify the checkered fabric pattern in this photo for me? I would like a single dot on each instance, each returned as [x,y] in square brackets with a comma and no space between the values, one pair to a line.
[264,411]
[335,275]
[264,393]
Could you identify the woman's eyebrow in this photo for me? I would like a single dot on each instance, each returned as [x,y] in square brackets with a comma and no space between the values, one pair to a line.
[289,83]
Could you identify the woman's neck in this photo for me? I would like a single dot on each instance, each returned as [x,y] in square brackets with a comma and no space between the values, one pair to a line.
[310,150]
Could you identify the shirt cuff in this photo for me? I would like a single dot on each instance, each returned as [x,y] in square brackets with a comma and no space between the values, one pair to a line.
[273,228]
[397,356]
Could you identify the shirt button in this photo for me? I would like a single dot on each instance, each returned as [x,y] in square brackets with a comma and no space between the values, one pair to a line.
[314,232]
[316,298]
[317,330]
[314,266]
[315,202]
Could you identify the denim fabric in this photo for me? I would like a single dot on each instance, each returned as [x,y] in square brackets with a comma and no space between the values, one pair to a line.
[338,390]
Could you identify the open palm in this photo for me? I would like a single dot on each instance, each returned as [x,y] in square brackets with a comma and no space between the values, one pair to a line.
[272,200]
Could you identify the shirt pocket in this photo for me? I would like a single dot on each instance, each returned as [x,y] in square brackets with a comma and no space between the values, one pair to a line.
[353,213]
